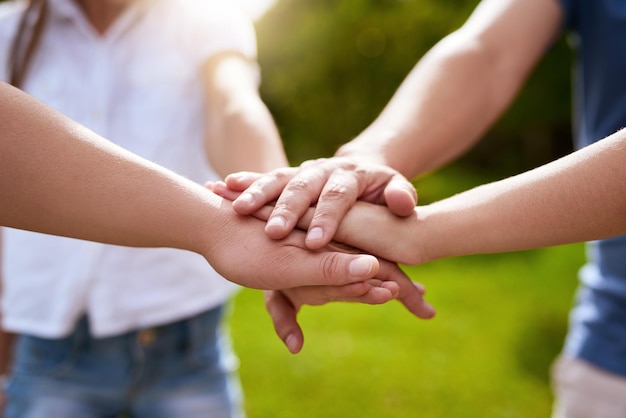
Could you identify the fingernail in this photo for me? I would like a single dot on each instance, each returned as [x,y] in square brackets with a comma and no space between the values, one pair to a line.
[430,311]
[246,198]
[360,266]
[292,343]
[277,221]
[433,311]
[385,294]
[315,234]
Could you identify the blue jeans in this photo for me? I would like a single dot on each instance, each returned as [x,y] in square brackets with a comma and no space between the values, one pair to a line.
[179,370]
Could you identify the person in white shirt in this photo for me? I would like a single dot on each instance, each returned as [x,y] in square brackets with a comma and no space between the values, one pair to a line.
[59,178]
[150,342]
[106,330]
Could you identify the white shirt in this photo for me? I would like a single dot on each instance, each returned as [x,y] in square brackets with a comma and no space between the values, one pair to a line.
[139,86]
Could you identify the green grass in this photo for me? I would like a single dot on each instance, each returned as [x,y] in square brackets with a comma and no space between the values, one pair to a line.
[501,320]
[500,323]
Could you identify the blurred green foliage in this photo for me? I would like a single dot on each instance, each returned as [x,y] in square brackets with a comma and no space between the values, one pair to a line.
[329,67]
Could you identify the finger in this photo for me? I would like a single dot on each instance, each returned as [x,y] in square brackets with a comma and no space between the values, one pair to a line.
[377,294]
[333,267]
[291,263]
[372,229]
[392,287]
[339,268]
[400,196]
[220,189]
[284,314]
[411,294]
[337,197]
[263,190]
[284,317]
[413,300]
[209,185]
[371,292]
[242,180]
[297,196]
[264,213]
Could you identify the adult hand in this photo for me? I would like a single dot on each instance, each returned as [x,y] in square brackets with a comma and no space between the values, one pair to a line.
[239,250]
[389,283]
[284,305]
[334,183]
[379,238]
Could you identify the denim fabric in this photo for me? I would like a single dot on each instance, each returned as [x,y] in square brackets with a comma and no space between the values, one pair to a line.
[597,333]
[181,370]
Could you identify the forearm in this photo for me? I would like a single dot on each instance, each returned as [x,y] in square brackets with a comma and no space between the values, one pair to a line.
[440,110]
[459,88]
[241,134]
[60,178]
[577,198]
[246,139]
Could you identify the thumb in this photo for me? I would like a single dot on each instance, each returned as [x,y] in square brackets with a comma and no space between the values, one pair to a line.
[400,196]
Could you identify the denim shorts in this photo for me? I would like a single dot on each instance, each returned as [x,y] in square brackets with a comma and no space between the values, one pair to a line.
[181,370]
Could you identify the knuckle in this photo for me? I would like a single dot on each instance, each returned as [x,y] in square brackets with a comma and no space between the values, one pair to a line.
[350,165]
[314,162]
[330,266]
[288,207]
[298,185]
[336,192]
[282,174]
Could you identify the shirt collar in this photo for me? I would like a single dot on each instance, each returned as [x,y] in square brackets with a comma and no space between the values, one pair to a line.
[70,11]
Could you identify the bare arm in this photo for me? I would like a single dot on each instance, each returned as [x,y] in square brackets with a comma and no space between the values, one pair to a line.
[442,108]
[240,133]
[460,87]
[58,177]
[577,198]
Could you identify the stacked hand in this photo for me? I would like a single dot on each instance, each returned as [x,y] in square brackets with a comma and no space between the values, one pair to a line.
[335,184]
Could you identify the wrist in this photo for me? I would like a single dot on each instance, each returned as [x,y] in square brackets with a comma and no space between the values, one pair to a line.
[448,230]
[424,237]
[364,149]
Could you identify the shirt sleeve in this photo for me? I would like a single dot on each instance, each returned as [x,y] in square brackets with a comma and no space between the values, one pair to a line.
[220,27]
